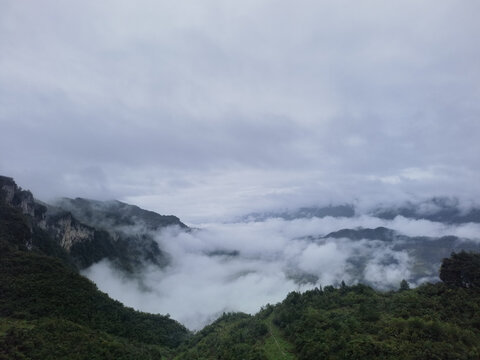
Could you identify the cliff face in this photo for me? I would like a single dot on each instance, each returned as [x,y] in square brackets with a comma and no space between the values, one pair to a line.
[83,232]
[23,200]
[68,231]
[13,195]
[7,189]
[116,214]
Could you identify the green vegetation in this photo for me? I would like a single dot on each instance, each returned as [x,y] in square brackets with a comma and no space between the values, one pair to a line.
[275,346]
[462,269]
[56,338]
[49,311]
[430,322]
[232,336]
[13,226]
[433,321]
[103,240]
[35,286]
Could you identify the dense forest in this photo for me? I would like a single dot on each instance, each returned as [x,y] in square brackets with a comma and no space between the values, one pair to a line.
[49,311]
[433,321]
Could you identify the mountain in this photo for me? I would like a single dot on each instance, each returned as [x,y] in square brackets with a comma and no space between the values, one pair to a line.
[426,253]
[434,321]
[379,233]
[120,232]
[439,209]
[304,212]
[48,310]
[83,232]
[116,214]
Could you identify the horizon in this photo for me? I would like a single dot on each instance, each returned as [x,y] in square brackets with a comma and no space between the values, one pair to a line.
[212,110]
[243,264]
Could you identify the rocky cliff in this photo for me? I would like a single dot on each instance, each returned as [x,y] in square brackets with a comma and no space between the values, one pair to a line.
[13,195]
[83,232]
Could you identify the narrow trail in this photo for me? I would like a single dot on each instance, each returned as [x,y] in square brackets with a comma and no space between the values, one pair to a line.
[276,341]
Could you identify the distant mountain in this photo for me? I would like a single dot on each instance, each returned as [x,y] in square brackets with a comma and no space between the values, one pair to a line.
[82,232]
[304,212]
[439,209]
[425,253]
[379,233]
[116,214]
[48,310]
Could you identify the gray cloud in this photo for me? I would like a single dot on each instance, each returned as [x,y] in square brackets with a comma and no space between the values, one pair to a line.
[243,266]
[259,102]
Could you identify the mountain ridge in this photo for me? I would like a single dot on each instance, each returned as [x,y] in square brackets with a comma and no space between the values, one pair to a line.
[48,310]
[437,209]
[87,231]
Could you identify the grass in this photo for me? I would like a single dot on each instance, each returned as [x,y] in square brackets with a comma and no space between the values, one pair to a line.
[276,347]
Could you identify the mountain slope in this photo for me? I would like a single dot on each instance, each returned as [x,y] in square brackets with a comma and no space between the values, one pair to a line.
[82,232]
[42,300]
[111,230]
[434,321]
[113,214]
[48,310]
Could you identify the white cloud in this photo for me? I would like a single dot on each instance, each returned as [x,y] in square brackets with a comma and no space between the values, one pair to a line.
[239,103]
[243,266]
[388,267]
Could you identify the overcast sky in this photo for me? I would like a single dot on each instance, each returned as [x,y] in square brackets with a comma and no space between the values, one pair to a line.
[212,108]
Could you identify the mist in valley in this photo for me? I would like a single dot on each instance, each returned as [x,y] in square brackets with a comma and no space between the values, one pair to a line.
[232,116]
[242,266]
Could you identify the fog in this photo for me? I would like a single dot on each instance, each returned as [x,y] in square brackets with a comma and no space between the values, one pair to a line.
[210,109]
[241,266]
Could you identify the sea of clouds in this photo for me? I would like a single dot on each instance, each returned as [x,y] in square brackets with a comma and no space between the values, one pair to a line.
[241,266]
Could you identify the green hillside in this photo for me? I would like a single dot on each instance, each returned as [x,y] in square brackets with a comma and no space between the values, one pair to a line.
[433,321]
[49,311]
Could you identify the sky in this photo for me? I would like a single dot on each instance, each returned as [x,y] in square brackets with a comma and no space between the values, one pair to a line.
[212,109]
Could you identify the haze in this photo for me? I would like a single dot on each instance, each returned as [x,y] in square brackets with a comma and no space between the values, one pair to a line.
[212,109]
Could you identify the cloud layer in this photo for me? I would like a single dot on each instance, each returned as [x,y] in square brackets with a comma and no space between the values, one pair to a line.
[185,108]
[243,266]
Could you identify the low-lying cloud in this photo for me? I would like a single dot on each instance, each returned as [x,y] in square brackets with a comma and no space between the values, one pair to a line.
[242,266]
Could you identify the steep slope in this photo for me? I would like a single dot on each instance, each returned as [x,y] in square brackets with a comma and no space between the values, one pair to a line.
[94,230]
[47,310]
[45,306]
[434,321]
[82,232]
[115,214]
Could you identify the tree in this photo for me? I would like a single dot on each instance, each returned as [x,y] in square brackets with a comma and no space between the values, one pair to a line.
[461,270]
[404,285]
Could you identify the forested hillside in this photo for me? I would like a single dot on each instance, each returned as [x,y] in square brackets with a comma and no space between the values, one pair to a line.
[49,311]
[434,321]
